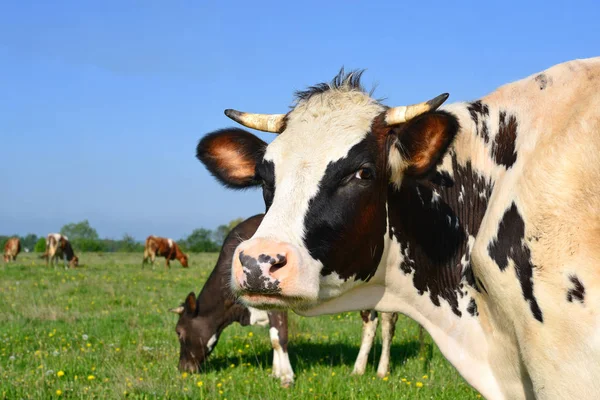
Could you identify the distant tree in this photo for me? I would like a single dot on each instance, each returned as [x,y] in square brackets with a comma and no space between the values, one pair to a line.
[40,245]
[199,241]
[129,244]
[29,241]
[80,230]
[222,231]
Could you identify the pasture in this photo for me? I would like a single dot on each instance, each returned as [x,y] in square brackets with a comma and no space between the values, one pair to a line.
[103,331]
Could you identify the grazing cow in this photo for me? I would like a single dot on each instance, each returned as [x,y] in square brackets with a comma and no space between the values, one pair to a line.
[479,220]
[163,247]
[203,319]
[11,249]
[58,246]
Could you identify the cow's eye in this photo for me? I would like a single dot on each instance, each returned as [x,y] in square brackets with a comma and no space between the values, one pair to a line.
[363,174]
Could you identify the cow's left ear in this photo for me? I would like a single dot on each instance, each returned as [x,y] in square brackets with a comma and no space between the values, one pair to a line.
[420,144]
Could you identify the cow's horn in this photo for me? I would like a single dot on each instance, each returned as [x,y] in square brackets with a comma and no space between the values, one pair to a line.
[398,115]
[177,310]
[274,123]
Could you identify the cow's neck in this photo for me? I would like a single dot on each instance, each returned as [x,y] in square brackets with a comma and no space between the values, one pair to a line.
[432,227]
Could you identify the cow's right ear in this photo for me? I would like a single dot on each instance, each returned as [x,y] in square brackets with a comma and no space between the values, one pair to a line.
[231,156]
[189,305]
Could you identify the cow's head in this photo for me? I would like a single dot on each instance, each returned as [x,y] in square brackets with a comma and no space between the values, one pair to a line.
[325,181]
[184,260]
[197,336]
[74,262]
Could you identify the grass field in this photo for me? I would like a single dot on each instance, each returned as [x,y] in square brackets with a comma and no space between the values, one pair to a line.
[103,331]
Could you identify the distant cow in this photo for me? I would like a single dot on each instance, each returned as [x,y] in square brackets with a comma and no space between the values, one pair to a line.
[58,246]
[203,319]
[163,247]
[11,249]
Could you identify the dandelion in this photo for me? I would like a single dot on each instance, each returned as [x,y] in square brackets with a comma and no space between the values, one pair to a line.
[403,379]
[232,365]
[49,372]
[84,337]
[91,377]
[12,358]
[93,368]
[419,384]
[184,375]
[219,384]
[58,392]
[55,353]
[247,346]
[220,392]
[105,380]
[425,377]
[199,383]
[60,373]
[117,350]
[250,334]
[386,378]
[333,374]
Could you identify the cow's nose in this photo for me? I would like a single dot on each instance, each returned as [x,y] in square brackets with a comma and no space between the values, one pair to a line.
[262,265]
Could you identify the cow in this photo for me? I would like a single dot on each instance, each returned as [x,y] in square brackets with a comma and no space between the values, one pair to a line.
[480,220]
[57,247]
[12,248]
[203,319]
[163,247]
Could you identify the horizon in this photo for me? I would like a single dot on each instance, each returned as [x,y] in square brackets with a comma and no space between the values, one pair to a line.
[106,102]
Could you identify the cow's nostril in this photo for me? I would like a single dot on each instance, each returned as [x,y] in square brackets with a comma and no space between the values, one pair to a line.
[280,262]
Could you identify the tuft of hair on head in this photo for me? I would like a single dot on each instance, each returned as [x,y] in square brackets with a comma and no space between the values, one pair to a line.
[343,81]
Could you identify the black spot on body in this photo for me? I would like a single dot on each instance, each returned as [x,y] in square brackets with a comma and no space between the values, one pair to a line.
[503,148]
[434,249]
[577,292]
[472,308]
[543,81]
[510,243]
[480,113]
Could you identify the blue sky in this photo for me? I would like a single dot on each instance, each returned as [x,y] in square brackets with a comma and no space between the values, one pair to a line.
[102,104]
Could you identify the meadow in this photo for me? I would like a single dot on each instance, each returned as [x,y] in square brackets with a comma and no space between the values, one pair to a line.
[104,331]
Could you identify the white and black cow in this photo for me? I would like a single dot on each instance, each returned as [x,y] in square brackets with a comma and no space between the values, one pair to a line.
[479,220]
[203,319]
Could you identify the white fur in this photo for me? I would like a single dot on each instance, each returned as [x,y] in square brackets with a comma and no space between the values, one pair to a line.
[211,342]
[258,317]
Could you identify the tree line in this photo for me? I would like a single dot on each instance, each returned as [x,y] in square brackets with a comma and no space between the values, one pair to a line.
[85,238]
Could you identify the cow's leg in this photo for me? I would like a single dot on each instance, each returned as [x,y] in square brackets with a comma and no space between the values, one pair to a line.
[167,264]
[369,330]
[282,368]
[388,328]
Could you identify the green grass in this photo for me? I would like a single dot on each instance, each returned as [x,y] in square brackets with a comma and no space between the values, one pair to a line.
[106,327]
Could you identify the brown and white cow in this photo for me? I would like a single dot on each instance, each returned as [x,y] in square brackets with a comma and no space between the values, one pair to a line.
[11,249]
[163,247]
[203,319]
[479,220]
[57,247]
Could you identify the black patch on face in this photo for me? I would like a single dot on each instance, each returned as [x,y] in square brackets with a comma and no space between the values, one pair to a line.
[543,81]
[256,281]
[265,173]
[472,308]
[433,230]
[511,244]
[480,112]
[577,292]
[503,148]
[345,221]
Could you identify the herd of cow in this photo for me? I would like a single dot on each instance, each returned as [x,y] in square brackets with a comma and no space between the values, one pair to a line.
[479,220]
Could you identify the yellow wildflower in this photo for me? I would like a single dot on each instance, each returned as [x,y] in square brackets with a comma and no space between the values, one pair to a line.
[333,374]
[425,377]
[91,377]
[199,383]
[250,334]
[219,384]
[386,378]
[419,384]
[58,392]
[60,373]
[184,375]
